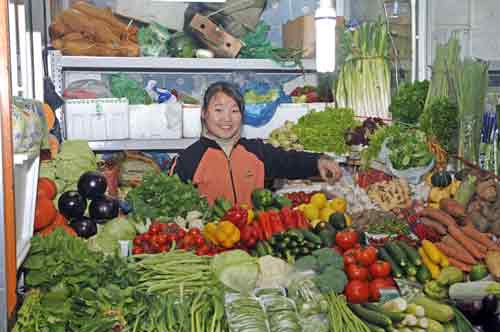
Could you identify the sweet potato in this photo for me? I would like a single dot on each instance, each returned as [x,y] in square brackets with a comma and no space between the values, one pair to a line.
[493,263]
[452,252]
[452,207]
[73,36]
[128,48]
[438,215]
[434,224]
[480,237]
[459,264]
[464,255]
[487,190]
[467,242]
[97,29]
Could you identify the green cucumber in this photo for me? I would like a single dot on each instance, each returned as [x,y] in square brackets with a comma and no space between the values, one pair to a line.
[371,316]
[410,270]
[396,253]
[293,244]
[411,253]
[261,249]
[396,270]
[269,249]
[295,234]
[310,236]
[395,317]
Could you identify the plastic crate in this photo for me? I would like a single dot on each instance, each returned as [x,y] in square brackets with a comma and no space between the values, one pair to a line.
[191,121]
[97,119]
[155,121]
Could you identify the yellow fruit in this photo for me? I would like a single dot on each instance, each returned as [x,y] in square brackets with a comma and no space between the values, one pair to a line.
[301,207]
[325,213]
[311,212]
[251,215]
[319,200]
[338,204]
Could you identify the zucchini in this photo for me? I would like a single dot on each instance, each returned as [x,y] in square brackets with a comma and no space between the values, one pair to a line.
[371,316]
[310,236]
[410,252]
[396,270]
[395,317]
[434,310]
[396,253]
[295,234]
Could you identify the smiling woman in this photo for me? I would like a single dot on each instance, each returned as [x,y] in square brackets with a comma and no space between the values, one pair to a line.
[222,164]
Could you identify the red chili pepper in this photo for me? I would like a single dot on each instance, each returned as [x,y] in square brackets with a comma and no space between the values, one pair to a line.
[265,225]
[301,220]
[288,218]
[275,221]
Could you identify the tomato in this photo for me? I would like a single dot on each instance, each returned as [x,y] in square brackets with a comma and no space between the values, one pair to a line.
[146,237]
[202,250]
[164,248]
[349,257]
[137,240]
[137,250]
[380,269]
[163,238]
[367,256]
[346,239]
[199,240]
[171,237]
[155,228]
[377,284]
[357,291]
[356,272]
[194,231]
[163,227]
[181,233]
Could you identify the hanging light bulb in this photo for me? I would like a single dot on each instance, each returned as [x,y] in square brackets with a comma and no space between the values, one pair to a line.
[396,11]
[325,20]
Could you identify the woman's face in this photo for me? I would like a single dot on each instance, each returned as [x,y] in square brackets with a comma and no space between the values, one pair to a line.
[222,116]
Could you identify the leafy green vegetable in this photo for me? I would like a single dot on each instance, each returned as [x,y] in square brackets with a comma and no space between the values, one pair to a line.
[236,269]
[409,149]
[307,263]
[325,131]
[330,280]
[440,120]
[327,257]
[163,196]
[124,87]
[409,102]
[106,240]
[376,141]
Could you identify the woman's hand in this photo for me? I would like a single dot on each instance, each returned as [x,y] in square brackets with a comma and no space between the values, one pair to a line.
[329,169]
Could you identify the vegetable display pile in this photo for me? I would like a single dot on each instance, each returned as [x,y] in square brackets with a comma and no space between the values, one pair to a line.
[408,103]
[408,150]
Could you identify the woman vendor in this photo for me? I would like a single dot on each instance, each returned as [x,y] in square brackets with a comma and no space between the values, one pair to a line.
[223,164]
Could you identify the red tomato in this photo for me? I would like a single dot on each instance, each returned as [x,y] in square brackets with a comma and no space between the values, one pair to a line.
[376,285]
[194,231]
[367,256]
[170,237]
[155,228]
[163,227]
[338,249]
[380,269]
[137,250]
[147,237]
[346,239]
[349,257]
[181,233]
[164,248]
[202,250]
[199,240]
[357,291]
[163,238]
[137,241]
[356,272]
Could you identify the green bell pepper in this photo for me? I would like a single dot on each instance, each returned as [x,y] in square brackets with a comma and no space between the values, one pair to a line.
[262,198]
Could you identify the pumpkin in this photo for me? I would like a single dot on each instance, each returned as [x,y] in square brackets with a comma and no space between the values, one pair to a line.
[46,188]
[441,179]
[45,213]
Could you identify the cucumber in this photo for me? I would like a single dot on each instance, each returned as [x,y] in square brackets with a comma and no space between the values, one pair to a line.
[295,234]
[411,253]
[396,253]
[261,249]
[373,328]
[327,237]
[311,237]
[371,316]
[434,310]
[293,244]
[411,270]
[396,270]
[395,317]
[269,249]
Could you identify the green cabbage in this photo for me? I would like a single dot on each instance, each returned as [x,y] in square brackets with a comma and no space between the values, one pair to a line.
[110,233]
[237,270]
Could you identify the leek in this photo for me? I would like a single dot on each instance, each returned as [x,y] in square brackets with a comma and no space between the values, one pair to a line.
[364,79]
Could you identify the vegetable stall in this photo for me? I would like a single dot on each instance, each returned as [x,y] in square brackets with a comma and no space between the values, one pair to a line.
[406,241]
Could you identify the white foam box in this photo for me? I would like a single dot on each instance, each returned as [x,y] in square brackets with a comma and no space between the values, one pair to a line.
[284,112]
[155,121]
[191,121]
[97,119]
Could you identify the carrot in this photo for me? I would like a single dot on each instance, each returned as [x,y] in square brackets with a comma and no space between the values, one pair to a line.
[480,237]
[434,224]
[451,252]
[438,215]
[452,207]
[461,265]
[467,242]
[464,255]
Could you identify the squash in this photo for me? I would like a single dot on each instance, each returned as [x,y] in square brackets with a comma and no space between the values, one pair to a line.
[46,188]
[45,213]
[441,179]
[338,220]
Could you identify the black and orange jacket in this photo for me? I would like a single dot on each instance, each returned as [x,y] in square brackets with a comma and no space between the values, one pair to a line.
[251,161]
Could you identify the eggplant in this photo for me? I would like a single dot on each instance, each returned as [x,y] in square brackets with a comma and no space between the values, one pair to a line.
[492,324]
[472,311]
[84,227]
[103,208]
[72,205]
[489,305]
[92,185]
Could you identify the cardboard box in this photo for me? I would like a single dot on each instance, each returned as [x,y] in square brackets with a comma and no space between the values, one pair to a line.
[300,34]
[168,14]
[155,121]
[96,119]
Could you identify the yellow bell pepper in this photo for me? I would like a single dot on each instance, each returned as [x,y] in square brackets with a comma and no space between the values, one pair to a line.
[437,194]
[227,234]
[209,232]
[338,204]
[250,213]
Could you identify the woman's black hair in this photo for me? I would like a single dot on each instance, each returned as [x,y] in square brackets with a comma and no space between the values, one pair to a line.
[228,89]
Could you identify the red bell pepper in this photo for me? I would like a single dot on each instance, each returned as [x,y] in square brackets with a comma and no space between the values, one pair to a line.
[238,216]
[275,221]
[265,225]
[250,235]
[288,218]
[301,220]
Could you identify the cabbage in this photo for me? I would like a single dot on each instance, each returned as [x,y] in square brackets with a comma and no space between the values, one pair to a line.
[236,269]
[108,236]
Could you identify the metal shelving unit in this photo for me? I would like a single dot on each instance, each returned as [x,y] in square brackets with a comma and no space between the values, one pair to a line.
[60,64]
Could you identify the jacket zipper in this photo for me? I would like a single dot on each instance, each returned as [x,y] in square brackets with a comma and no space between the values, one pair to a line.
[231,175]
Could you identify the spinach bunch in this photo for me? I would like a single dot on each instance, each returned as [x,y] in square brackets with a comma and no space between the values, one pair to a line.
[163,196]
[409,149]
[408,104]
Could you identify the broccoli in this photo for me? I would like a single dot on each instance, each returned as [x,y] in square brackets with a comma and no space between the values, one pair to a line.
[331,280]
[328,257]
[307,263]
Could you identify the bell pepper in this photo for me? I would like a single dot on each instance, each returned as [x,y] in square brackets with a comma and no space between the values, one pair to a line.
[262,198]
[282,201]
[288,218]
[209,232]
[275,222]
[435,291]
[227,234]
[249,235]
[237,215]
[265,226]
[301,220]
